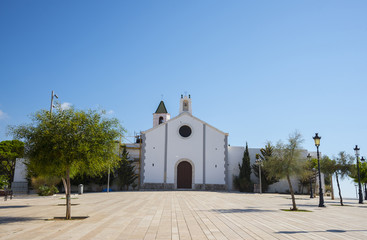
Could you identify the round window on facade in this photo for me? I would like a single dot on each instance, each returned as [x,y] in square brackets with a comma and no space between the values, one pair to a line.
[185,131]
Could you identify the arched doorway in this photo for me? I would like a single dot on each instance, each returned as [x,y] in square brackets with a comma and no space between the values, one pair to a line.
[184,175]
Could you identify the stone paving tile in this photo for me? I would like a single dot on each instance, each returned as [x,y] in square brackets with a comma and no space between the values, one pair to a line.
[181,215]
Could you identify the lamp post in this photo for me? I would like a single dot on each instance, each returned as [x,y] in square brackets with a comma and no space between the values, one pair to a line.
[258,161]
[311,193]
[360,196]
[317,138]
[52,101]
[365,184]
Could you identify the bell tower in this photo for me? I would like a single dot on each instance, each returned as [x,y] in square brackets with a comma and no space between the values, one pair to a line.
[185,104]
[161,115]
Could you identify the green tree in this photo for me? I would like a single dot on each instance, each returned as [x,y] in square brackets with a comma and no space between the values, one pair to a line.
[286,161]
[328,167]
[266,180]
[243,180]
[309,173]
[10,150]
[343,168]
[125,171]
[362,173]
[69,142]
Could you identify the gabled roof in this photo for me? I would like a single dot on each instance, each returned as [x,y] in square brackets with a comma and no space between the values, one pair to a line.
[180,115]
[161,108]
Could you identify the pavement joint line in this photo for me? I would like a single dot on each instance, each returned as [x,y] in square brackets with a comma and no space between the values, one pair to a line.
[181,215]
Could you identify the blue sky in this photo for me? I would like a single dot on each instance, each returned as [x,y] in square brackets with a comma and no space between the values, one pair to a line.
[256,69]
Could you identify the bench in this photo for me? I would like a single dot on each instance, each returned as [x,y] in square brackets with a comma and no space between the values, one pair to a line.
[6,193]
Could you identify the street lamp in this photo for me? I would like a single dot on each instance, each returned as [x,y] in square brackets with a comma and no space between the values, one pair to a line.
[311,193]
[365,184]
[52,100]
[258,162]
[356,150]
[317,138]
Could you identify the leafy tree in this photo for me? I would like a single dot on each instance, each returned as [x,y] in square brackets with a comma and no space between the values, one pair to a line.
[343,168]
[328,167]
[86,179]
[362,173]
[286,161]
[243,180]
[125,171]
[69,142]
[10,150]
[3,182]
[308,174]
[266,180]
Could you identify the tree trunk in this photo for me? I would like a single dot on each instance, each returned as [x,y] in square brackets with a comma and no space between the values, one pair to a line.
[292,194]
[332,188]
[340,194]
[365,191]
[67,194]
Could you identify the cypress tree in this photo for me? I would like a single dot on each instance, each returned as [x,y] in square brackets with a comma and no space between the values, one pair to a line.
[243,180]
[125,171]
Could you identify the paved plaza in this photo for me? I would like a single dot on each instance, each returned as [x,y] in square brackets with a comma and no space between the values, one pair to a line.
[180,215]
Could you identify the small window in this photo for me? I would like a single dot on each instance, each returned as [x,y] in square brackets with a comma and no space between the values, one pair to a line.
[160,120]
[185,131]
[186,106]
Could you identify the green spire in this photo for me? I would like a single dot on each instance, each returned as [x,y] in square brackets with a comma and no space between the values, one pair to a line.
[161,108]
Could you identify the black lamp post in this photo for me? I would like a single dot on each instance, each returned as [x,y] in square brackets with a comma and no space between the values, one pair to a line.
[258,162]
[311,192]
[365,185]
[317,138]
[356,150]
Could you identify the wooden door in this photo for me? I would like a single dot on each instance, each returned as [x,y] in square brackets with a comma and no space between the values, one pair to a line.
[184,175]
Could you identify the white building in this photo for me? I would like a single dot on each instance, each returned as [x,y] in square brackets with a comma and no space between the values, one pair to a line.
[186,152]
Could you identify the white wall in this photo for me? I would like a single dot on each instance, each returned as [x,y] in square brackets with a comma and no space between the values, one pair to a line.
[235,155]
[154,154]
[214,156]
[20,171]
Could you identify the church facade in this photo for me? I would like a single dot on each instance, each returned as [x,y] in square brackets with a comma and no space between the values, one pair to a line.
[183,152]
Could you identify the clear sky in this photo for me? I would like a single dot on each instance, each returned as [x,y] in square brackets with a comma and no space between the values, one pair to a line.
[256,69]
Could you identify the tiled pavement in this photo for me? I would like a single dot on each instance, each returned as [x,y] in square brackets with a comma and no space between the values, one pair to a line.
[181,215]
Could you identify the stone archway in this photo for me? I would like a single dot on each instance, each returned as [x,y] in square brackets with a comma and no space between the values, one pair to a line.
[184,175]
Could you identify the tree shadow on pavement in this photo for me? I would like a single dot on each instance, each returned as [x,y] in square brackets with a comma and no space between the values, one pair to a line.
[321,231]
[15,206]
[246,210]
[5,220]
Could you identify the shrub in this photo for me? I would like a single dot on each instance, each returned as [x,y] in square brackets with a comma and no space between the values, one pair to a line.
[47,191]
[3,182]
